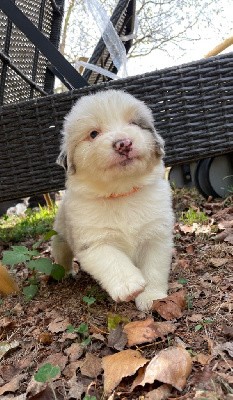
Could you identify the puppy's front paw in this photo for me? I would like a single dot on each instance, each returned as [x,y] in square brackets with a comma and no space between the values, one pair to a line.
[127,288]
[144,300]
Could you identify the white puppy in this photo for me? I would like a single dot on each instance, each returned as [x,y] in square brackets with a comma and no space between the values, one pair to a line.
[116,216]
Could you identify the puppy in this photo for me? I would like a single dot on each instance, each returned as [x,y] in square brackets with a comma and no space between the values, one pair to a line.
[116,216]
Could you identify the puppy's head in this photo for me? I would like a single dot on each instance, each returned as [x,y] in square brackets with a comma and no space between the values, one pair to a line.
[109,136]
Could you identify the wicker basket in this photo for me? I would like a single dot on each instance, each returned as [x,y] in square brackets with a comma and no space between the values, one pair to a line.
[192,105]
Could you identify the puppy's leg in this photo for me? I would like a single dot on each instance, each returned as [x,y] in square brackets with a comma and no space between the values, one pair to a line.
[114,270]
[62,252]
[154,262]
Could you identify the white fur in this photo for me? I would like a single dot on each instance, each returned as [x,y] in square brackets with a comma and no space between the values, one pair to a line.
[125,243]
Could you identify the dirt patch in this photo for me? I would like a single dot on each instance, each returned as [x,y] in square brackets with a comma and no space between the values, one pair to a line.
[201,268]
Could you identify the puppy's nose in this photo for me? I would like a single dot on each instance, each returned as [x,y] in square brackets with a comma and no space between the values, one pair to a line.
[123,146]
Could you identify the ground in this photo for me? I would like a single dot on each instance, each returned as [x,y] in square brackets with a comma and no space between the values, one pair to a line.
[194,327]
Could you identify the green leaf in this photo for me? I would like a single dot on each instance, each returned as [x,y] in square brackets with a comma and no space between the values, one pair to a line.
[89,300]
[11,257]
[43,265]
[198,327]
[70,329]
[115,319]
[50,234]
[183,281]
[58,272]
[30,291]
[86,342]
[87,397]
[208,321]
[47,372]
[82,328]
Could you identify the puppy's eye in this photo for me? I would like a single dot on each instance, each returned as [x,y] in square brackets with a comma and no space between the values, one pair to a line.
[93,134]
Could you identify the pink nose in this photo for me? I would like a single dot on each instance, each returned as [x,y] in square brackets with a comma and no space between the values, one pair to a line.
[123,146]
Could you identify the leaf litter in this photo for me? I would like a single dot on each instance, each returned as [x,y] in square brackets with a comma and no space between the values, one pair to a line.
[182,350]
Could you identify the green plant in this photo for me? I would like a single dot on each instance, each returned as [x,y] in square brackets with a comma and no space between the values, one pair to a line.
[83,331]
[33,261]
[191,216]
[34,223]
[46,373]
[203,324]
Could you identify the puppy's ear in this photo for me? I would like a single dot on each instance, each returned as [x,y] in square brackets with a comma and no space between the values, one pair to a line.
[159,144]
[63,161]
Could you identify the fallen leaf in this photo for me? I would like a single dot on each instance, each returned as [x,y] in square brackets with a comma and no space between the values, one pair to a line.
[171,306]
[161,393]
[91,366]
[56,359]
[70,370]
[47,394]
[7,284]
[76,388]
[45,338]
[172,366]
[218,262]
[75,351]
[13,385]
[228,347]
[59,325]
[202,359]
[195,317]
[189,249]
[228,331]
[7,346]
[147,331]
[119,365]
[6,322]
[117,338]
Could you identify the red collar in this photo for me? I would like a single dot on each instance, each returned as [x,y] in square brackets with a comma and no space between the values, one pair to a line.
[126,194]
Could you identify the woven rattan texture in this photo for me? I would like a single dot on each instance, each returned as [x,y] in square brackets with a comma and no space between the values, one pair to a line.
[192,105]
[32,78]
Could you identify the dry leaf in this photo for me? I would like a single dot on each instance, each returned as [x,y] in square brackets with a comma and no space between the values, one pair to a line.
[161,393]
[195,317]
[202,359]
[45,338]
[172,366]
[7,346]
[7,283]
[119,365]
[47,394]
[13,385]
[228,347]
[218,262]
[171,306]
[75,351]
[117,338]
[59,325]
[91,366]
[76,388]
[56,359]
[147,331]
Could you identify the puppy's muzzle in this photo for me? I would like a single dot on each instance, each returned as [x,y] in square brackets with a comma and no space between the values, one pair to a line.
[123,146]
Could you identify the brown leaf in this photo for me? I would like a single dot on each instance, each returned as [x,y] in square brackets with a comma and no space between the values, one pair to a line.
[56,359]
[7,283]
[147,331]
[228,347]
[161,393]
[76,388]
[202,359]
[218,262]
[45,338]
[91,366]
[75,351]
[117,338]
[228,331]
[189,249]
[195,317]
[171,306]
[13,385]
[119,365]
[172,366]
[46,394]
[59,325]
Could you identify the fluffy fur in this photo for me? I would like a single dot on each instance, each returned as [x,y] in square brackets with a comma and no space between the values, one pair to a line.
[116,216]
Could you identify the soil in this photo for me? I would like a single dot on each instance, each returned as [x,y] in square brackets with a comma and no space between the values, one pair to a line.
[37,330]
